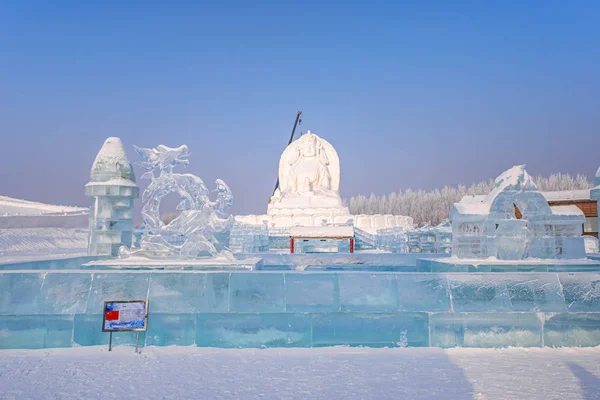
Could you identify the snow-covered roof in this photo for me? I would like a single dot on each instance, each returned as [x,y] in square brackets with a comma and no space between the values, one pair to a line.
[515,178]
[473,199]
[566,195]
[114,182]
[569,210]
[322,231]
[10,206]
[111,162]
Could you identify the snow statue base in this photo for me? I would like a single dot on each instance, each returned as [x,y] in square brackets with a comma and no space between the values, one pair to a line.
[112,189]
[487,227]
[192,233]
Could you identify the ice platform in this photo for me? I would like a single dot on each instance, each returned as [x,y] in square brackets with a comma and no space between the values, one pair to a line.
[202,264]
[46,308]
[359,261]
[452,264]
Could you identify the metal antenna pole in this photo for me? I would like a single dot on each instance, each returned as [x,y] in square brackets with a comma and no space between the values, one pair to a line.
[110,342]
[137,339]
[290,141]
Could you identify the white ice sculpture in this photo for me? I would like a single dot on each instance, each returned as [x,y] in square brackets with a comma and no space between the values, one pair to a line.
[192,233]
[112,189]
[309,193]
[487,226]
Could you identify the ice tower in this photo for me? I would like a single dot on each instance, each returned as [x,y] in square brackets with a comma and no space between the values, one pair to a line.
[595,192]
[112,189]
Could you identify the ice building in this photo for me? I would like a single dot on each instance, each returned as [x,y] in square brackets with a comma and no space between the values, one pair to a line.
[308,193]
[112,189]
[487,226]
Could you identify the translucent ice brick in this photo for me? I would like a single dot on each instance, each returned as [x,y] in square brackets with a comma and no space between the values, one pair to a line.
[479,292]
[376,330]
[423,292]
[368,292]
[116,286]
[262,292]
[65,293]
[581,291]
[253,330]
[87,331]
[19,293]
[171,329]
[535,292]
[189,292]
[311,293]
[572,329]
[35,331]
[486,330]
[22,332]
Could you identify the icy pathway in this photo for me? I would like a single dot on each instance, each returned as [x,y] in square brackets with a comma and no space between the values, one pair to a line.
[327,373]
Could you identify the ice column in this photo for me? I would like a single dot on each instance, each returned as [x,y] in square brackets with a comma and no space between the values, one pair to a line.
[595,193]
[112,190]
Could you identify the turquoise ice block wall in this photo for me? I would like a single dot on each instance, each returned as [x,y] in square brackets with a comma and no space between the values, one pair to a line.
[42,309]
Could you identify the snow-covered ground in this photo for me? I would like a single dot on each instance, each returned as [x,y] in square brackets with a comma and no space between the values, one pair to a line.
[325,373]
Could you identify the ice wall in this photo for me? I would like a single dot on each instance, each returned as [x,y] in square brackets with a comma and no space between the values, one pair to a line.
[288,309]
[112,189]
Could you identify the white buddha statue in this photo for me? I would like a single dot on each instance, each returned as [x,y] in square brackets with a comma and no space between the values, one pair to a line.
[309,176]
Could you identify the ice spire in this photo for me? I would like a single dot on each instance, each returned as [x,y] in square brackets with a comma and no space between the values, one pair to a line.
[112,190]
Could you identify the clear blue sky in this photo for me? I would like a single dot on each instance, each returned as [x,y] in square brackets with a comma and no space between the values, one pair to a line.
[412,94]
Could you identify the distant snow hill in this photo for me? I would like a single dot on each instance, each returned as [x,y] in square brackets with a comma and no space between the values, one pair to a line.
[16,213]
[28,228]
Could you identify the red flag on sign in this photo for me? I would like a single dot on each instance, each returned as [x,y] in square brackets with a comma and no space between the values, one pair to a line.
[112,315]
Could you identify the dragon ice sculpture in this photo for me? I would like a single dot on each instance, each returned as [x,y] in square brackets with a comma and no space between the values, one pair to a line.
[192,233]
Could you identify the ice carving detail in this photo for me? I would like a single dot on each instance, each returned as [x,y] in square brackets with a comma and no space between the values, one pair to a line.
[192,233]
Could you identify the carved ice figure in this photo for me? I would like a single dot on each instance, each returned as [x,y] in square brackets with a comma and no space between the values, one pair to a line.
[191,233]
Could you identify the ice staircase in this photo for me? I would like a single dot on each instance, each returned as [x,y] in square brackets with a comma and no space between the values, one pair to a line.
[364,240]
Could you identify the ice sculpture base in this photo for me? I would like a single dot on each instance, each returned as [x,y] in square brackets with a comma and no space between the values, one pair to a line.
[200,264]
[62,308]
[452,264]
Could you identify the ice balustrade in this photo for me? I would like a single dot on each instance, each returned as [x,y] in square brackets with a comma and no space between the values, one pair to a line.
[443,237]
[427,239]
[286,309]
[245,238]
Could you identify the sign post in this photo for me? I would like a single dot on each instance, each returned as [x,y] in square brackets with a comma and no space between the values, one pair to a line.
[125,316]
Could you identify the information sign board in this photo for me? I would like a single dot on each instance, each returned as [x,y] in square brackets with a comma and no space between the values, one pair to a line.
[126,315]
